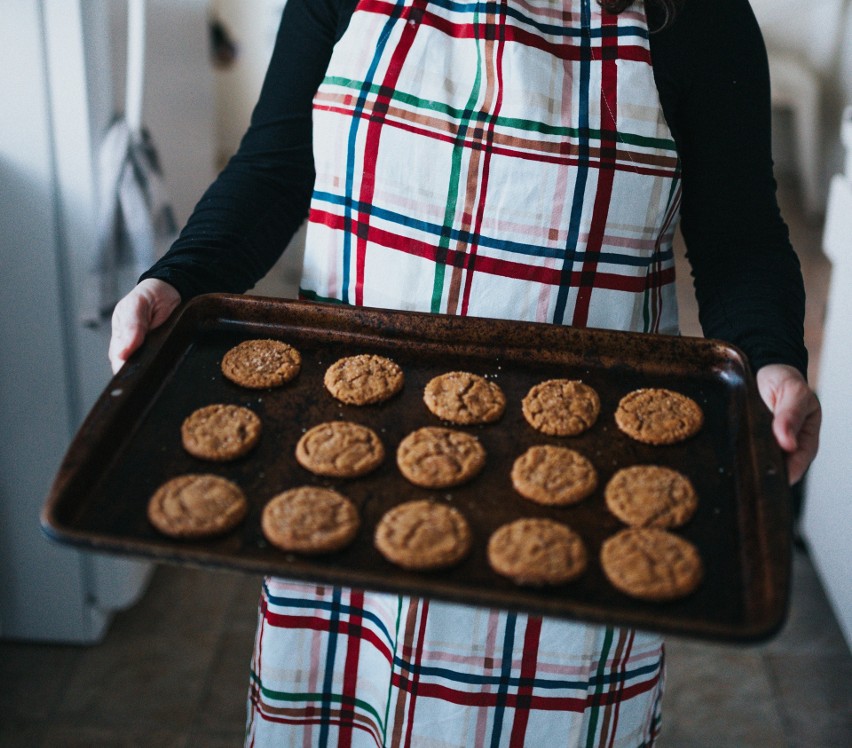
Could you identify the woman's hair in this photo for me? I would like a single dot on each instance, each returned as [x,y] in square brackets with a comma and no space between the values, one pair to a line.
[668,7]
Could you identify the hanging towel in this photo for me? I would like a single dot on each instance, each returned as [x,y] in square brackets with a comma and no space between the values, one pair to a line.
[135,224]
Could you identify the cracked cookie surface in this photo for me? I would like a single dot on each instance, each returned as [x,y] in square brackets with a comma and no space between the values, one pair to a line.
[651,564]
[258,364]
[340,449]
[651,496]
[561,407]
[220,432]
[658,416]
[423,534]
[554,476]
[197,505]
[464,398]
[364,379]
[437,457]
[537,552]
[310,519]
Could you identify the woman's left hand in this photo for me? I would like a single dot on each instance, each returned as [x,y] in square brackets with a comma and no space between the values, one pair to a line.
[796,415]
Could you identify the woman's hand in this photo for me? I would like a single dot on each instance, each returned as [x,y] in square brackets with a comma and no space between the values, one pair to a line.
[147,306]
[796,415]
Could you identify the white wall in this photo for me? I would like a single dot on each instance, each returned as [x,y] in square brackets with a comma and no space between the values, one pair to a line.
[252,25]
[179,104]
[197,113]
[820,35]
[828,506]
[818,32]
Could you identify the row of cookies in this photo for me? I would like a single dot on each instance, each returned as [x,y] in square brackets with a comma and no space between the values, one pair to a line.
[557,407]
[424,535]
[565,407]
[439,457]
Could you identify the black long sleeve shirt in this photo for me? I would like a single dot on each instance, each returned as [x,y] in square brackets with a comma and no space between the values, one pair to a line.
[711,71]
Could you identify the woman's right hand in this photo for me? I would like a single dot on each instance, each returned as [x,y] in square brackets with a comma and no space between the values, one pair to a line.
[147,306]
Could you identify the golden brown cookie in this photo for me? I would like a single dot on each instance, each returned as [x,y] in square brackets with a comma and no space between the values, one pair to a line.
[651,496]
[651,564]
[561,407]
[363,380]
[310,520]
[436,457]
[196,506]
[464,398]
[258,364]
[554,476]
[537,552]
[220,432]
[340,449]
[423,535]
[658,416]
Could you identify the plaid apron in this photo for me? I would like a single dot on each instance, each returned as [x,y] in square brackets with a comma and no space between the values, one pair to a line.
[497,159]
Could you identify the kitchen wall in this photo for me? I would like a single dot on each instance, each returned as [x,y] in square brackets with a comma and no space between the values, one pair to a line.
[819,33]
[251,26]
[179,106]
[197,111]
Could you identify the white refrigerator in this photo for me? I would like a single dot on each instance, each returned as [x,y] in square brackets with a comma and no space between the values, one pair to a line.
[56,84]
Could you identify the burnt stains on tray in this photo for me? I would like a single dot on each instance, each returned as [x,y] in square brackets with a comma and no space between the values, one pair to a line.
[130,444]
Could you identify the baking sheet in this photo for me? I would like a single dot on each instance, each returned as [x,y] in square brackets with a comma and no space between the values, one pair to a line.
[130,444]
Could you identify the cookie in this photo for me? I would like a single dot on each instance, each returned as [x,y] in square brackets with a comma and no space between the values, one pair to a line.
[436,457]
[537,552]
[363,380]
[464,398]
[658,416]
[310,520]
[259,364]
[651,564]
[340,449]
[555,476]
[423,535]
[220,432]
[561,407]
[196,506]
[651,496]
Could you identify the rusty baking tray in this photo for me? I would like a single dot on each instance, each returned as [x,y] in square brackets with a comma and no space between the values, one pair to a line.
[130,444]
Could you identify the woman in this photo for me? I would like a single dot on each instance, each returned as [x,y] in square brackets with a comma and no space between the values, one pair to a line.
[517,158]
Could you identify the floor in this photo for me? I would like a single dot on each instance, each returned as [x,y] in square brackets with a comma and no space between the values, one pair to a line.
[172,671]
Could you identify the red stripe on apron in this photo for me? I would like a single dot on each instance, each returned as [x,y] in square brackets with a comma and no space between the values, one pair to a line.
[371,146]
[603,195]
[529,660]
